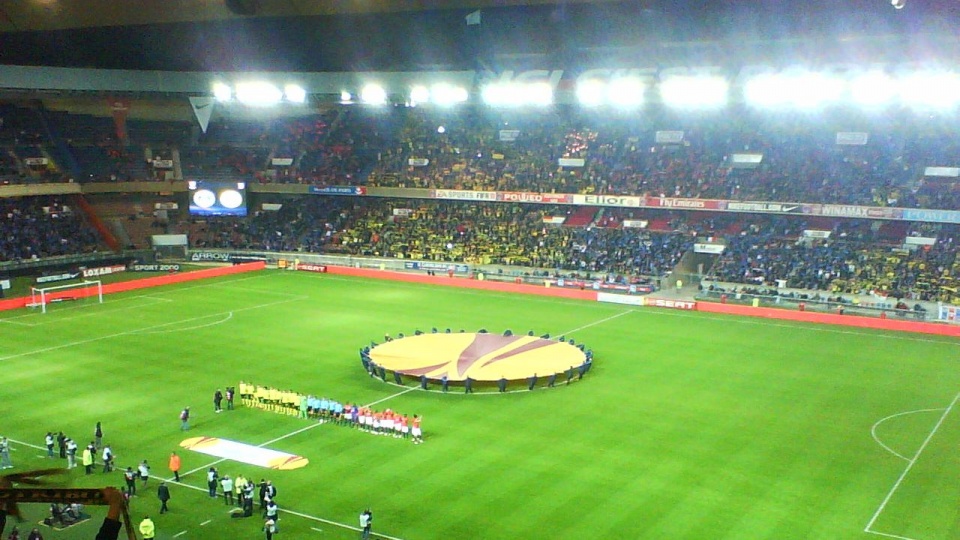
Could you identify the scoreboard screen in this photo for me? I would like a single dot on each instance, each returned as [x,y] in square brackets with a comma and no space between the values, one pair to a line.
[217,198]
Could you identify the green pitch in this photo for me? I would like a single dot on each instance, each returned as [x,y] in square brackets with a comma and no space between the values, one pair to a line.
[689,426]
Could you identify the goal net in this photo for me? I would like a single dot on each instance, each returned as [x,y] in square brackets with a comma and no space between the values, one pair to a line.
[84,291]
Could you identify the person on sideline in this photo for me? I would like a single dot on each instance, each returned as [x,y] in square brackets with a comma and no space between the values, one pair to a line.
[98,436]
[144,471]
[147,528]
[5,462]
[366,523]
[175,466]
[217,400]
[185,419]
[87,460]
[227,484]
[163,493]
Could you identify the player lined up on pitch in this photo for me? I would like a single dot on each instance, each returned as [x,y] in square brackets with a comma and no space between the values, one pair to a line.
[386,422]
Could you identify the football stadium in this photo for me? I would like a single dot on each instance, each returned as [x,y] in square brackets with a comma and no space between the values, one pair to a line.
[555,269]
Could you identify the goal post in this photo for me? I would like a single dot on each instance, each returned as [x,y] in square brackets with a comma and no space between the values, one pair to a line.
[42,296]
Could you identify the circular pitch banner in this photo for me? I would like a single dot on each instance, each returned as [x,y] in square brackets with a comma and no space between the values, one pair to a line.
[482,357]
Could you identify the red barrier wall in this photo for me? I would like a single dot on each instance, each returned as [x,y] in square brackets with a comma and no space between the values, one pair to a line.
[444,280]
[831,318]
[123,286]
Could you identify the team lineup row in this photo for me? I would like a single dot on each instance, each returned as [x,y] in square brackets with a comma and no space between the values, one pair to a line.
[323,410]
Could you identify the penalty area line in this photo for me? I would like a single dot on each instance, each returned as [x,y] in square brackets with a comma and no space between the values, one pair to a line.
[906,471]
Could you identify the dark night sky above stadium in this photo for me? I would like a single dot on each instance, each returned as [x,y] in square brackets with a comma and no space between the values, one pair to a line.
[552,35]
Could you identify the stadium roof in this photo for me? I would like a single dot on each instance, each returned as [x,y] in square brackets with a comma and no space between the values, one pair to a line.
[432,35]
[46,15]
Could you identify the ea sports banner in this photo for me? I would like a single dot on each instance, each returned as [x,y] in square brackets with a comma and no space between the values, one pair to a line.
[463,195]
[202,110]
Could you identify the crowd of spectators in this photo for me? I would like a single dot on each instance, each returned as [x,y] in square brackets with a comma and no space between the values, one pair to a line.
[801,160]
[485,234]
[37,227]
[855,259]
[481,149]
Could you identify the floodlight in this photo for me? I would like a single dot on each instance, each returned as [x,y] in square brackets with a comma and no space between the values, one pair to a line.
[222,92]
[419,94]
[496,94]
[295,93]
[873,89]
[803,90]
[813,90]
[931,89]
[441,130]
[538,94]
[258,93]
[345,96]
[764,91]
[626,91]
[687,91]
[447,94]
[373,94]
[591,92]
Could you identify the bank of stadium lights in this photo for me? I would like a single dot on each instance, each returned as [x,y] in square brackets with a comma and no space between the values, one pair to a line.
[874,89]
[294,93]
[799,90]
[259,93]
[621,92]
[931,90]
[922,90]
[694,91]
[442,94]
[517,94]
[373,94]
[222,92]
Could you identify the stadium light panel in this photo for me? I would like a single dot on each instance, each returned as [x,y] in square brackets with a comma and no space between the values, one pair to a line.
[873,89]
[259,94]
[447,94]
[539,94]
[222,92]
[373,94]
[694,92]
[591,92]
[931,90]
[345,97]
[813,90]
[295,93]
[805,90]
[419,94]
[626,92]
